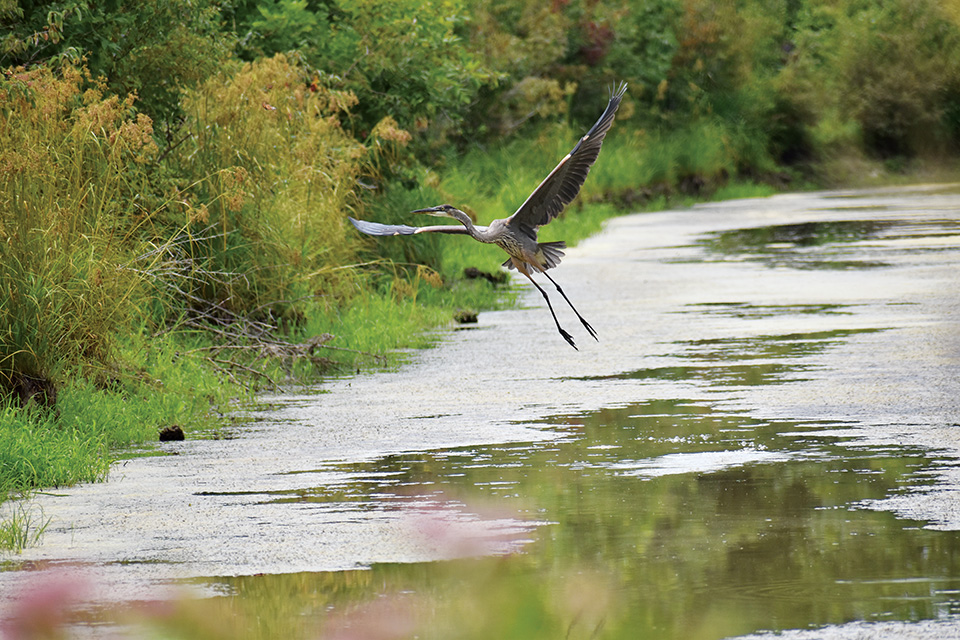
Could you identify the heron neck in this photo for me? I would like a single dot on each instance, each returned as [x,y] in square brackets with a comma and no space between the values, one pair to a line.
[465,220]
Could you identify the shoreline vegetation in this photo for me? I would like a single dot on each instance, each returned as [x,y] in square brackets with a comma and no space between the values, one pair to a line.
[173,201]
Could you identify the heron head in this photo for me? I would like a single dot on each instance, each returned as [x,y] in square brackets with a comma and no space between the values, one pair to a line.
[442,211]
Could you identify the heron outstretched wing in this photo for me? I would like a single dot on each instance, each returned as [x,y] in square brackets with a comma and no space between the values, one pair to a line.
[377,229]
[563,184]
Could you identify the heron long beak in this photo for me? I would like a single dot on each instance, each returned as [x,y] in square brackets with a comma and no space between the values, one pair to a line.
[427,210]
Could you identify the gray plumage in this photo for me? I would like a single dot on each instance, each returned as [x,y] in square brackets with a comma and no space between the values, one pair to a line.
[517,235]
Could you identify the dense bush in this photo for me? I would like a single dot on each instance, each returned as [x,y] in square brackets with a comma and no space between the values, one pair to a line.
[268,176]
[900,64]
[401,58]
[71,165]
[881,75]
[153,48]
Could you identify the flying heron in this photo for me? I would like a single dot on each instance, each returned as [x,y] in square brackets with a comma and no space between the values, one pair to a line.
[517,235]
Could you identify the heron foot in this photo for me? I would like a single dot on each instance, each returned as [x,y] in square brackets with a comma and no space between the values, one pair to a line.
[590,330]
[568,338]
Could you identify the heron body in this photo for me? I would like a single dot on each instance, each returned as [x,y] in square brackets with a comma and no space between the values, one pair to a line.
[517,235]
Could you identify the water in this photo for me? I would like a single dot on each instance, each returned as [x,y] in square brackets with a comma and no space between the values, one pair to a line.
[766,438]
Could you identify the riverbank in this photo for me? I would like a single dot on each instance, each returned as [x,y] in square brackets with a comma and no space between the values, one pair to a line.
[760,440]
[125,321]
[180,379]
[172,207]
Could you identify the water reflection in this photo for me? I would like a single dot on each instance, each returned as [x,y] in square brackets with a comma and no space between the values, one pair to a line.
[746,310]
[713,523]
[704,522]
[832,244]
[701,521]
[793,345]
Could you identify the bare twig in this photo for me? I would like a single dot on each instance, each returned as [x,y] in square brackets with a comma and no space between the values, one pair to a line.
[244,340]
[250,370]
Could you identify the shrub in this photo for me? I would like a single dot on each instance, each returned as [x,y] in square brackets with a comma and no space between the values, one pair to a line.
[400,58]
[153,48]
[268,177]
[71,162]
[881,75]
[899,62]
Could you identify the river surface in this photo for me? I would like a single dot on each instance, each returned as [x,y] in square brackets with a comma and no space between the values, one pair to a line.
[765,438]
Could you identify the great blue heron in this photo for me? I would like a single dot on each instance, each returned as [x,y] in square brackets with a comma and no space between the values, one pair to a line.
[517,235]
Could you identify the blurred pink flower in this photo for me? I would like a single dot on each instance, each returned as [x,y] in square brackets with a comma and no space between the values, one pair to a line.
[42,609]
[454,529]
[387,618]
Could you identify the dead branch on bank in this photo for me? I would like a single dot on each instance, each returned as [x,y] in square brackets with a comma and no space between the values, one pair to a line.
[243,341]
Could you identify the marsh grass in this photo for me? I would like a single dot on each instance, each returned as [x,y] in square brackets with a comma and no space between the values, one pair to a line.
[36,451]
[117,391]
[74,443]
[21,527]
[69,164]
[272,173]
[73,170]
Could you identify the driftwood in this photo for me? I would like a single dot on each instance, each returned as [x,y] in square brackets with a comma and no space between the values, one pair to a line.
[243,341]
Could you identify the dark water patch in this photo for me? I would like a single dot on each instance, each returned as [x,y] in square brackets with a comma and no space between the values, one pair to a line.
[778,347]
[228,493]
[866,207]
[774,359]
[937,228]
[706,523]
[747,310]
[790,236]
[720,375]
[831,245]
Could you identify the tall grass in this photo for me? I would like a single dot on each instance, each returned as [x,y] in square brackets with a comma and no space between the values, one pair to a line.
[21,527]
[70,161]
[43,448]
[51,456]
[271,170]
[124,267]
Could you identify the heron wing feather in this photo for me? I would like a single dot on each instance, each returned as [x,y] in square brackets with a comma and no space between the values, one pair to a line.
[563,184]
[377,229]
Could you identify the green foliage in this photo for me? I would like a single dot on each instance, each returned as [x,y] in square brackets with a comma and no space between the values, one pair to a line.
[39,451]
[271,175]
[900,61]
[382,322]
[71,166]
[21,527]
[643,49]
[792,78]
[881,75]
[153,48]
[43,448]
[401,59]
[286,25]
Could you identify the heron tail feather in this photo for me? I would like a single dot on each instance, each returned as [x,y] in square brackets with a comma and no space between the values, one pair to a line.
[552,253]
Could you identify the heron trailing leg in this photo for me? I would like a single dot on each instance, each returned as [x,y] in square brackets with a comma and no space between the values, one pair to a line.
[566,336]
[586,325]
